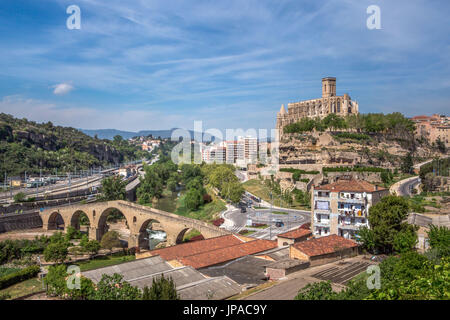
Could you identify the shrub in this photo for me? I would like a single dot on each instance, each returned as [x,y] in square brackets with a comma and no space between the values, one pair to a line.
[19,276]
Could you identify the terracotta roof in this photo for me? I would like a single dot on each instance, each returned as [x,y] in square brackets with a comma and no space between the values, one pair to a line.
[324,245]
[350,186]
[295,234]
[214,257]
[196,247]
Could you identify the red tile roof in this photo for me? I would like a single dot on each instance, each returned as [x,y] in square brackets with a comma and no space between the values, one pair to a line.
[196,247]
[222,255]
[350,186]
[295,234]
[324,245]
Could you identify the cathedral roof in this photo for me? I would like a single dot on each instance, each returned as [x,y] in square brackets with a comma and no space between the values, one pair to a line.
[282,110]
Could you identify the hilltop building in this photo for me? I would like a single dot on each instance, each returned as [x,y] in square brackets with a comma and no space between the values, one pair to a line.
[433,128]
[341,208]
[321,107]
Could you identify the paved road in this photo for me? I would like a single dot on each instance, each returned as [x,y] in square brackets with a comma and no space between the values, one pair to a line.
[405,188]
[238,220]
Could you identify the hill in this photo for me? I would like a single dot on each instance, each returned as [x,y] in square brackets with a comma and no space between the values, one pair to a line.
[111,133]
[30,146]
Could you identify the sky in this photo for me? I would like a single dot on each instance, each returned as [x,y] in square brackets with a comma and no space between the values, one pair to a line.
[150,65]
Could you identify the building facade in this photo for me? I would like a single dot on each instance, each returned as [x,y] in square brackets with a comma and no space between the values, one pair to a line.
[433,128]
[317,108]
[341,208]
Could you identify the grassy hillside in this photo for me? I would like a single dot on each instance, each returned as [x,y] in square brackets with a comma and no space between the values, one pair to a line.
[30,146]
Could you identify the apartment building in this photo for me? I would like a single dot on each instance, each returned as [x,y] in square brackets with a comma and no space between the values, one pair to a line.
[341,208]
[433,128]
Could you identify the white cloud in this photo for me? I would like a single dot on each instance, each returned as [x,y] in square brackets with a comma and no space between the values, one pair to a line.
[62,89]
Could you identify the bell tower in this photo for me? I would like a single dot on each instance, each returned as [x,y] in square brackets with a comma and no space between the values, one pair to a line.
[328,87]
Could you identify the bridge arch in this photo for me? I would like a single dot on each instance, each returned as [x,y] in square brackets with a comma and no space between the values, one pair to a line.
[102,225]
[142,234]
[181,235]
[75,219]
[55,221]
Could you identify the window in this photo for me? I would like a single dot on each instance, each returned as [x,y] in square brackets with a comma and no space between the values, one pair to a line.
[322,205]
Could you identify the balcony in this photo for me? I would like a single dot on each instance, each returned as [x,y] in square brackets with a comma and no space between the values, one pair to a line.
[328,211]
[351,200]
[322,197]
[322,223]
[353,213]
[351,226]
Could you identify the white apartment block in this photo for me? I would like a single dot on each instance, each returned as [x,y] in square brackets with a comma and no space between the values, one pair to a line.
[342,207]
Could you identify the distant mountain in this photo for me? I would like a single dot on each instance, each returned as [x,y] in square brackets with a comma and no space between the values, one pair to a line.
[111,133]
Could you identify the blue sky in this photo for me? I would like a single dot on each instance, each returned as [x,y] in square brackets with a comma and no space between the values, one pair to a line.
[146,64]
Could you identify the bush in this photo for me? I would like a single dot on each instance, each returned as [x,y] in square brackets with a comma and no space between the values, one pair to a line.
[19,197]
[56,252]
[352,135]
[19,276]
[110,240]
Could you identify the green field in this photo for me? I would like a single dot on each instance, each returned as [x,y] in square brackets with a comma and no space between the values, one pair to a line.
[23,288]
[260,190]
[5,271]
[208,212]
[104,261]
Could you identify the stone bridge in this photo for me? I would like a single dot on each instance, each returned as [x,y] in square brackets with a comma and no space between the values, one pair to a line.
[138,218]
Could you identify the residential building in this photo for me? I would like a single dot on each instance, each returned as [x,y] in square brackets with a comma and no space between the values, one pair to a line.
[323,250]
[433,128]
[341,208]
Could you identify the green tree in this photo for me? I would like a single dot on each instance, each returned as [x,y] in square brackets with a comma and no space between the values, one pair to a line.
[113,188]
[161,289]
[407,163]
[193,199]
[115,288]
[405,240]
[56,252]
[316,291]
[92,246]
[19,197]
[439,239]
[151,186]
[386,221]
[72,233]
[172,184]
[110,240]
[232,190]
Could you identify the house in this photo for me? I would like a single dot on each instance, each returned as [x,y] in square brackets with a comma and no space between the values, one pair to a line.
[294,236]
[323,250]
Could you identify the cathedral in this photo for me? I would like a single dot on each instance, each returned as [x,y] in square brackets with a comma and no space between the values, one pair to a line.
[329,103]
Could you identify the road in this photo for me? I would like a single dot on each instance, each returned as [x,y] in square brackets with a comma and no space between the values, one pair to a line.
[405,188]
[237,221]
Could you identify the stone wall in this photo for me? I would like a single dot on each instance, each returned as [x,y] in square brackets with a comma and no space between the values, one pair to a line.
[22,221]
